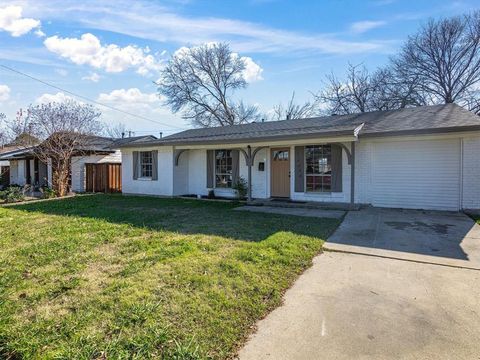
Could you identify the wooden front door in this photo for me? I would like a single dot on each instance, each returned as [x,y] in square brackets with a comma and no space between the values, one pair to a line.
[280,172]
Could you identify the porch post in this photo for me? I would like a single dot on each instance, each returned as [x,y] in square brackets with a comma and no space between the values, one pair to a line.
[249,165]
[352,176]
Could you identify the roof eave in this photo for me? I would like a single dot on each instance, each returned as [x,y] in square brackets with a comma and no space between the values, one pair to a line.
[343,133]
[443,130]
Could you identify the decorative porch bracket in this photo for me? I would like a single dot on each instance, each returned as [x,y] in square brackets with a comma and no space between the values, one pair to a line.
[177,155]
[347,151]
[351,161]
[249,160]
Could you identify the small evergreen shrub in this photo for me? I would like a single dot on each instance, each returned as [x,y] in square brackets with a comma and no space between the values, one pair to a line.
[12,193]
[48,192]
[241,187]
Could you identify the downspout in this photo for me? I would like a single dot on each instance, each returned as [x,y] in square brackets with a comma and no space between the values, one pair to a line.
[460,196]
[249,165]
[352,176]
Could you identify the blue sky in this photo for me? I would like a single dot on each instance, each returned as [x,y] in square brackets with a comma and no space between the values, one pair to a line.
[112,51]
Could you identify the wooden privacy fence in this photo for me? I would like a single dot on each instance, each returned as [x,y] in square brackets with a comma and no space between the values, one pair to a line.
[106,177]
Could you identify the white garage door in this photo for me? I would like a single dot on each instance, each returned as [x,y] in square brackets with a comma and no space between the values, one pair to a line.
[417,174]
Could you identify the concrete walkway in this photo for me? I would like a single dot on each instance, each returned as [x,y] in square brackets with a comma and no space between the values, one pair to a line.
[351,306]
[320,213]
[443,238]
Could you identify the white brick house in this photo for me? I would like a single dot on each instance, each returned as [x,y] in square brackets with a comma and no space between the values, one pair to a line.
[422,158]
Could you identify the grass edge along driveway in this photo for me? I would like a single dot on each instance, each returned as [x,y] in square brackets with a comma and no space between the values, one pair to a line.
[109,277]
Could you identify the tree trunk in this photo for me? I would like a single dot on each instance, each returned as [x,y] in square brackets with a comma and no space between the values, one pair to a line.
[60,178]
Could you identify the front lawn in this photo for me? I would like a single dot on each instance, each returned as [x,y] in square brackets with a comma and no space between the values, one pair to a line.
[109,277]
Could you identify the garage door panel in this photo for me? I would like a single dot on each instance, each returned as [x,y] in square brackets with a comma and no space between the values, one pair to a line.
[417,174]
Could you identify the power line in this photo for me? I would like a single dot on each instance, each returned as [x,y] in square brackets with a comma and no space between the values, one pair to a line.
[88,99]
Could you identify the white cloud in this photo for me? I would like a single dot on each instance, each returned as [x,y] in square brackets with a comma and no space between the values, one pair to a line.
[135,101]
[4,93]
[136,20]
[94,77]
[364,26]
[39,33]
[253,71]
[11,20]
[129,96]
[112,58]
[50,98]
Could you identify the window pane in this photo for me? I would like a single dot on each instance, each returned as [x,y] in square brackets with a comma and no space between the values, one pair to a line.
[326,183]
[223,168]
[146,163]
[318,168]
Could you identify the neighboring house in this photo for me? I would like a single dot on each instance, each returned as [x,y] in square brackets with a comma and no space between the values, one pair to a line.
[424,158]
[5,165]
[88,169]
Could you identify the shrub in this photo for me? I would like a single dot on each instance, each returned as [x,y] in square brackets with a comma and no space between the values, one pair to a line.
[48,192]
[11,194]
[211,194]
[241,187]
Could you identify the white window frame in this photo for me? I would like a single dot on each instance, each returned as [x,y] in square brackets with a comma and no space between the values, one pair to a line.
[146,164]
[322,191]
[224,173]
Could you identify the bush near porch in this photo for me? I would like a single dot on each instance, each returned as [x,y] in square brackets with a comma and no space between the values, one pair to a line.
[109,276]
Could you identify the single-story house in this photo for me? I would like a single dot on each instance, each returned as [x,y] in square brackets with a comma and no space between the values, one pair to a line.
[5,167]
[89,169]
[423,158]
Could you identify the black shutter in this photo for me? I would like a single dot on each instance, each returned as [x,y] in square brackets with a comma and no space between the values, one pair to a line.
[155,165]
[336,168]
[210,168]
[299,168]
[136,164]
[235,166]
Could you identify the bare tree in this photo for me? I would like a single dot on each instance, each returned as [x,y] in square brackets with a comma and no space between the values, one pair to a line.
[472,101]
[65,130]
[445,58]
[3,130]
[361,91]
[294,110]
[351,95]
[200,81]
[118,130]
[392,92]
[18,132]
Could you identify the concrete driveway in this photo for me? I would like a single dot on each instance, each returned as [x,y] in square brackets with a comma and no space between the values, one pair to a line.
[443,238]
[357,306]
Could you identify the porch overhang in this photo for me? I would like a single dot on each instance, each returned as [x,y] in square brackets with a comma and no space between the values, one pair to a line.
[250,150]
[287,142]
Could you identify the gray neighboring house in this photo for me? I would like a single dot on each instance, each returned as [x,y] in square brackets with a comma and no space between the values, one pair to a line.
[5,165]
[26,169]
[422,158]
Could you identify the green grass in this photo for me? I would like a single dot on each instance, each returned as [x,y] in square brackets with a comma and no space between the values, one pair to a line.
[97,277]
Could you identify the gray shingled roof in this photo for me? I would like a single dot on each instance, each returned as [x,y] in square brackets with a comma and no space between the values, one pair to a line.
[92,143]
[423,119]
